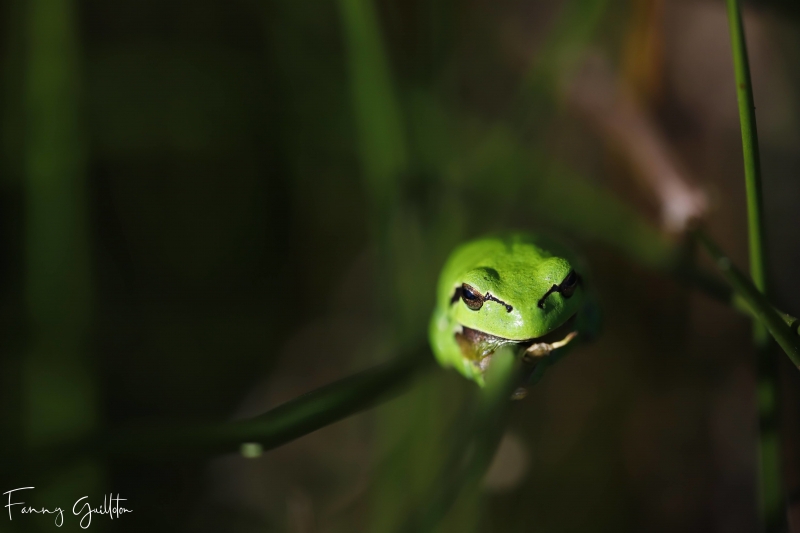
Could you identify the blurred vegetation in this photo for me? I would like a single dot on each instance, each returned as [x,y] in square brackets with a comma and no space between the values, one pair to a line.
[211,208]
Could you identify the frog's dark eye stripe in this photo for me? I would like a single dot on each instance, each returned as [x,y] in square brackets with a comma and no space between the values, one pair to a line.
[501,302]
[566,287]
[473,299]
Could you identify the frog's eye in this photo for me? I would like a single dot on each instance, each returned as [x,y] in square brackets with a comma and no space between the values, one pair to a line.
[471,297]
[570,283]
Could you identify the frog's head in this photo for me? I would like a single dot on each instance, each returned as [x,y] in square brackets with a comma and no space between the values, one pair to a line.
[519,287]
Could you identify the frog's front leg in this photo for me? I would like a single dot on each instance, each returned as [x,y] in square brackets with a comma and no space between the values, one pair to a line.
[540,356]
[542,349]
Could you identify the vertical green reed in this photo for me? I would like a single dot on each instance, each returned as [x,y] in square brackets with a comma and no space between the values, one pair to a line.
[752,163]
[60,392]
[771,491]
[379,125]
[58,386]
[380,137]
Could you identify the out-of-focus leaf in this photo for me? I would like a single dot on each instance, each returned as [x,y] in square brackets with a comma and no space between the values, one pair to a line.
[379,122]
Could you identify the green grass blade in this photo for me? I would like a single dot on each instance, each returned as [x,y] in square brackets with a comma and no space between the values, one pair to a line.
[752,164]
[778,325]
[379,124]
[57,278]
[280,425]
[58,379]
[782,328]
[473,445]
[771,492]
[326,405]
[775,324]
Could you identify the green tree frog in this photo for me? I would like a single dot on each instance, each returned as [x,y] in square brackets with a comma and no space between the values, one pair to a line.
[518,289]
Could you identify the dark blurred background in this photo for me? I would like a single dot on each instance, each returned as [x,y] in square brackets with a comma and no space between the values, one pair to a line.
[208,208]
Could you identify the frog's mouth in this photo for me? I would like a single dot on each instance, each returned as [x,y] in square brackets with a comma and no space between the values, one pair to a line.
[479,346]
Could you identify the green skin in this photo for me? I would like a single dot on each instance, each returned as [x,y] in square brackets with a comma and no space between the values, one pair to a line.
[519,270]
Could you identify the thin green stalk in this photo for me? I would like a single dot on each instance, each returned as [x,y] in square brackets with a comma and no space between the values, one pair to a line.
[291,420]
[699,279]
[752,164]
[280,425]
[759,306]
[474,444]
[740,304]
[771,507]
[379,123]
[771,491]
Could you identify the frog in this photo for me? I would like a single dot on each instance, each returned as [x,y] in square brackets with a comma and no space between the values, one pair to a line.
[521,290]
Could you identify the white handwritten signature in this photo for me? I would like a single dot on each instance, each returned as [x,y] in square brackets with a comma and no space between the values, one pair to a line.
[111,507]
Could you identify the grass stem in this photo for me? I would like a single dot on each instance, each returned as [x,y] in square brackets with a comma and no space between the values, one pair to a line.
[782,328]
[473,446]
[277,426]
[774,322]
[771,493]
[752,164]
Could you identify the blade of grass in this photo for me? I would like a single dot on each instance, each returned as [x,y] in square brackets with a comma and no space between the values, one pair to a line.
[295,418]
[280,425]
[738,303]
[785,331]
[771,497]
[773,321]
[474,444]
[752,164]
[379,124]
[698,278]
[58,381]
[57,284]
